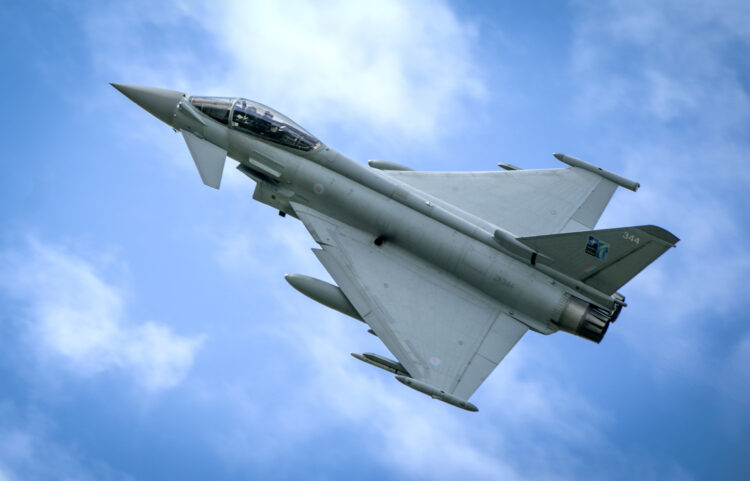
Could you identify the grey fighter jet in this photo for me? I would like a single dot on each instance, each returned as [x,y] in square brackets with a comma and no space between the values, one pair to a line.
[448,269]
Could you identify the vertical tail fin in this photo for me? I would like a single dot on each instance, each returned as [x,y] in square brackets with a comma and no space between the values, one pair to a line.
[603,259]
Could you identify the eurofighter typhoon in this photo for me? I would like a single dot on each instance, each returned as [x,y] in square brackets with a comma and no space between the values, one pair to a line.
[448,269]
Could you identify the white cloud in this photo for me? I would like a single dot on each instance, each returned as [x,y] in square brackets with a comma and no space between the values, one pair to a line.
[666,60]
[244,248]
[324,392]
[74,316]
[675,78]
[385,63]
[734,382]
[350,63]
[680,303]
[330,393]
[360,66]
[400,427]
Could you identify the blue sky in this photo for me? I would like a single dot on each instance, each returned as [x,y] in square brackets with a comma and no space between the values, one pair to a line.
[149,334]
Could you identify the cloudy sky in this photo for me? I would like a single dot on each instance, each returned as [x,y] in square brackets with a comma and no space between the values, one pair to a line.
[148,333]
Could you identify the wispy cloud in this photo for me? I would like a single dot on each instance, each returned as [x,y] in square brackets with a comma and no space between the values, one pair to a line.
[668,61]
[76,318]
[670,69]
[383,66]
[400,430]
[29,451]
[348,64]
[406,434]
[398,426]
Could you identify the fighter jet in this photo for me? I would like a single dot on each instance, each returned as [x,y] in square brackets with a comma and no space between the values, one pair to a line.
[448,269]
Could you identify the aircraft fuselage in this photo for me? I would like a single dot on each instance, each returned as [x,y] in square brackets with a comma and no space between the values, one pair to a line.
[364,198]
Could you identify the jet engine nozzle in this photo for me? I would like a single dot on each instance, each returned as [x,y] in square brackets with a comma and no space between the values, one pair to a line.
[587,320]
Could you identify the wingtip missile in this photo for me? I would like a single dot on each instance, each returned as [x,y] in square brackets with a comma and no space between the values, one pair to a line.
[611,176]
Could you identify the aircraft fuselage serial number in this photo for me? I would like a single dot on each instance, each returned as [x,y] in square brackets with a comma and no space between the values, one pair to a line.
[632,238]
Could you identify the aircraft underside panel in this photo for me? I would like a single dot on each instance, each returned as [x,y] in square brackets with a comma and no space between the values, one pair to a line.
[445,333]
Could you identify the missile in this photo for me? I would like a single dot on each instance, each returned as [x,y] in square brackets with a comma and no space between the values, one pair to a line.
[617,179]
[381,362]
[324,293]
[436,393]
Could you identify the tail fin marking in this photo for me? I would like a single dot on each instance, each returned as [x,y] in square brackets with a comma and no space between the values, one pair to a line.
[603,259]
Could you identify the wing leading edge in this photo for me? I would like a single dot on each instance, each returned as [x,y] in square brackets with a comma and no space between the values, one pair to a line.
[446,334]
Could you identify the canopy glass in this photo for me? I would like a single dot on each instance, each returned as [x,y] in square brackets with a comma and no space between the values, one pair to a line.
[256,119]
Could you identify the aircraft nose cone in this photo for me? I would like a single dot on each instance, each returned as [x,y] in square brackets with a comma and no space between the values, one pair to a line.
[160,103]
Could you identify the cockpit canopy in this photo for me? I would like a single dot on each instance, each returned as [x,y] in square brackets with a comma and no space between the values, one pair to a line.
[256,119]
